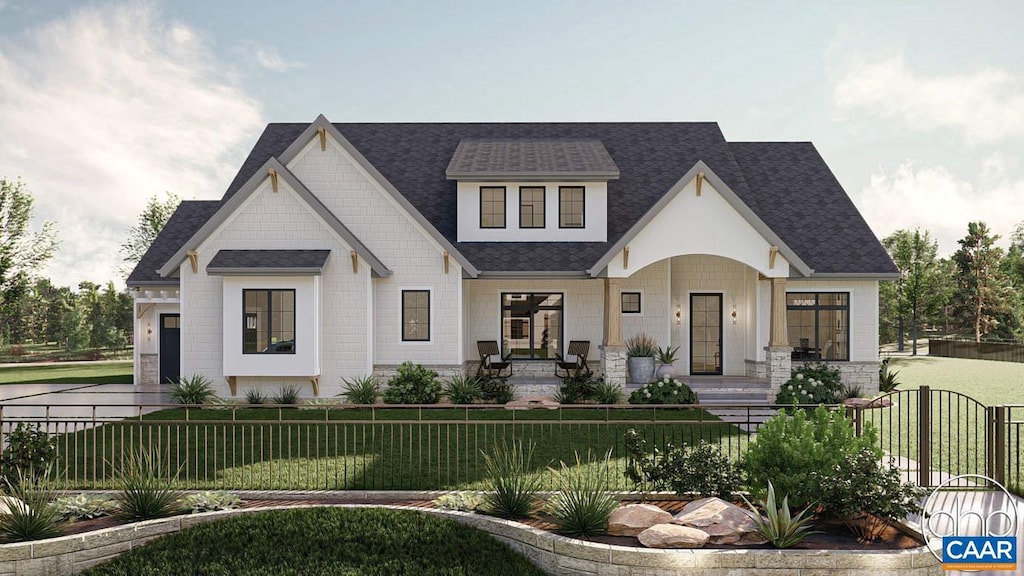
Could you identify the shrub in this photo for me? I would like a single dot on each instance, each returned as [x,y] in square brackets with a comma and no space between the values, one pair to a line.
[577,387]
[790,446]
[361,390]
[852,391]
[668,390]
[888,379]
[211,501]
[462,389]
[702,469]
[641,345]
[286,395]
[461,501]
[606,392]
[512,489]
[319,404]
[413,384]
[255,396]
[497,390]
[30,452]
[194,390]
[780,528]
[581,506]
[812,384]
[84,506]
[145,487]
[866,495]
[34,518]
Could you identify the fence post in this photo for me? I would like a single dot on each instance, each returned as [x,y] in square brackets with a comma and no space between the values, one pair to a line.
[924,436]
[853,414]
[999,462]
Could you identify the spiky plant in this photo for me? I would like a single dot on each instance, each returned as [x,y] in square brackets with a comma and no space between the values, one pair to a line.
[145,490]
[780,528]
[582,506]
[512,488]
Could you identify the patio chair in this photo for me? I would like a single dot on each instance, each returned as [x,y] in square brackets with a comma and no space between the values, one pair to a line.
[491,361]
[575,359]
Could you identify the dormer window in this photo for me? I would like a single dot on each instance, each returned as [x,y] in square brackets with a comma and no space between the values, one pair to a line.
[531,206]
[492,206]
[571,206]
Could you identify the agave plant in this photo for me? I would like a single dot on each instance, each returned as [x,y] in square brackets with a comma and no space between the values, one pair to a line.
[193,390]
[361,390]
[582,506]
[146,491]
[780,528]
[512,488]
[30,513]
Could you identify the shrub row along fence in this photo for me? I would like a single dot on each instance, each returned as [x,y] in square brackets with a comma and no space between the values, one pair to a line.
[950,347]
[930,434]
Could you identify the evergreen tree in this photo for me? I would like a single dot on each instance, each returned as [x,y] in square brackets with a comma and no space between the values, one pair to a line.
[983,291]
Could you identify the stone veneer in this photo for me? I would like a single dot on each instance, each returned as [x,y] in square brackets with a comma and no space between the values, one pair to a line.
[552,553]
[778,367]
[149,371]
[614,364]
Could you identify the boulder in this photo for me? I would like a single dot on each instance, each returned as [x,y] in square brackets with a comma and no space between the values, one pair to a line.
[632,519]
[8,503]
[531,403]
[672,536]
[724,522]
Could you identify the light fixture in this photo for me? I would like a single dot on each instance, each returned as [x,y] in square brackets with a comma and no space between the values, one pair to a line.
[149,331]
[679,315]
[733,314]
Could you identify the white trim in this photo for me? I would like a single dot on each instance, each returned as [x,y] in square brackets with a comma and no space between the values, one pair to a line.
[668,295]
[459,314]
[401,315]
[371,333]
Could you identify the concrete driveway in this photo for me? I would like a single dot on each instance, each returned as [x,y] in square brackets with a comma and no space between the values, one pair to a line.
[79,401]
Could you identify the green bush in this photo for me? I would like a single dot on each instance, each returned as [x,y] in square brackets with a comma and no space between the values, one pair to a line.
[84,506]
[287,395]
[702,469]
[780,528]
[512,488]
[322,541]
[413,384]
[462,501]
[34,518]
[497,390]
[255,396]
[462,389]
[30,453]
[606,392]
[668,390]
[641,345]
[577,387]
[193,390]
[792,445]
[888,379]
[361,390]
[859,485]
[146,491]
[581,506]
[812,384]
[211,501]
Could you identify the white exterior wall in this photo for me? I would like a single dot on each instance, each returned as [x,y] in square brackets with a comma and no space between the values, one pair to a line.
[655,318]
[146,336]
[405,248]
[595,214]
[283,221]
[863,312]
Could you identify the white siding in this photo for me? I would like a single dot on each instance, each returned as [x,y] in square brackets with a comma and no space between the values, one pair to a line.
[654,319]
[863,312]
[595,214]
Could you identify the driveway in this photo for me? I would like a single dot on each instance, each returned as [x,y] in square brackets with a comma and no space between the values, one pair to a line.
[79,401]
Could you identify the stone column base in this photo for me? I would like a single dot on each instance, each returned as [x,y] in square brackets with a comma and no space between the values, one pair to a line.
[613,364]
[149,371]
[778,366]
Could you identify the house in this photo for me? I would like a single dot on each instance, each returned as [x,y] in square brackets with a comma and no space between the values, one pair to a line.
[346,249]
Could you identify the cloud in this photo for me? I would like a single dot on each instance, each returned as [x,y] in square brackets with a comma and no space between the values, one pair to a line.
[985,105]
[270,59]
[107,106]
[932,198]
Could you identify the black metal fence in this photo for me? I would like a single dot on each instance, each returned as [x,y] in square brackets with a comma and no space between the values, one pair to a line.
[951,347]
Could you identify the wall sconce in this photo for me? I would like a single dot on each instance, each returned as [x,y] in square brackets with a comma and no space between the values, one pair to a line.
[679,315]
[733,314]
[149,332]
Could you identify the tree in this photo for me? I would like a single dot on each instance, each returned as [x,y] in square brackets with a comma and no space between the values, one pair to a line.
[919,289]
[22,251]
[151,222]
[983,290]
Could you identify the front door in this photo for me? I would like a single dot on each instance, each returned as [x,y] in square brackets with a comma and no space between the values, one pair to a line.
[170,347]
[705,333]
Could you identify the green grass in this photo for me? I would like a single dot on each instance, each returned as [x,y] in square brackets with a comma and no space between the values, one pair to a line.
[118,372]
[321,541]
[53,352]
[344,449]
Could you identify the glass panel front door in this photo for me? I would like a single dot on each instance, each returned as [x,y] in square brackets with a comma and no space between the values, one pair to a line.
[531,325]
[705,334]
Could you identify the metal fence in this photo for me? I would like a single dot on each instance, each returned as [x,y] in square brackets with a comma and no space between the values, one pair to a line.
[951,347]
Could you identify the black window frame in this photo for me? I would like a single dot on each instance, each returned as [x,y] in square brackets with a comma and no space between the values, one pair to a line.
[270,320]
[532,328]
[504,208]
[817,307]
[429,334]
[639,302]
[583,206]
[543,207]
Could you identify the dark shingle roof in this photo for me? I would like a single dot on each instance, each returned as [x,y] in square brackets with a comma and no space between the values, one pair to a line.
[788,185]
[227,261]
[186,220]
[529,158]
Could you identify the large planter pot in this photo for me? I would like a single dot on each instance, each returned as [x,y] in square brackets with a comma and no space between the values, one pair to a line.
[641,369]
[665,370]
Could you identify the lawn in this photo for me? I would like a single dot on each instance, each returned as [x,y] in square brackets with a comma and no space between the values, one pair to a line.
[53,352]
[113,372]
[388,449]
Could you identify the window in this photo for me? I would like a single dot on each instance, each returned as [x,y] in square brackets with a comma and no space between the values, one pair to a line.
[531,207]
[630,302]
[268,321]
[570,206]
[492,206]
[415,315]
[531,325]
[819,325]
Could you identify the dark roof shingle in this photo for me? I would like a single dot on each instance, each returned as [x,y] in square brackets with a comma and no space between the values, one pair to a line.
[531,158]
[186,220]
[228,260]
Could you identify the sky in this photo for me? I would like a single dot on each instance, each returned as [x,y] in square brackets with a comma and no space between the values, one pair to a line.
[918,107]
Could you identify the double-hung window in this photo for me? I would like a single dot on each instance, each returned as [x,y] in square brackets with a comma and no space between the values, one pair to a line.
[492,206]
[571,207]
[268,322]
[415,315]
[531,206]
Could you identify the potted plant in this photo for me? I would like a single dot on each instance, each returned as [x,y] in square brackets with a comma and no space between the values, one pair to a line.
[641,349]
[667,357]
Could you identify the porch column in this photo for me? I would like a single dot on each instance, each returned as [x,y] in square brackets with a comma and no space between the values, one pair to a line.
[778,354]
[613,353]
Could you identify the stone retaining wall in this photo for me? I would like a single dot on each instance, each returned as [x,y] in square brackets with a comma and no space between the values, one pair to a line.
[552,553]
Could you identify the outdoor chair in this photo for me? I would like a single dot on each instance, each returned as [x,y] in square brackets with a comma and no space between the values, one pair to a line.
[491,361]
[575,359]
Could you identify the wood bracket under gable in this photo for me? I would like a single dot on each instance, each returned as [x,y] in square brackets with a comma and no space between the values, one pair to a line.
[322,133]
[625,258]
[772,253]
[699,181]
[193,259]
[273,179]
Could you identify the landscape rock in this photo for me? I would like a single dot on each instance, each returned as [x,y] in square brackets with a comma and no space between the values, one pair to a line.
[724,522]
[8,503]
[532,402]
[632,519]
[673,536]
